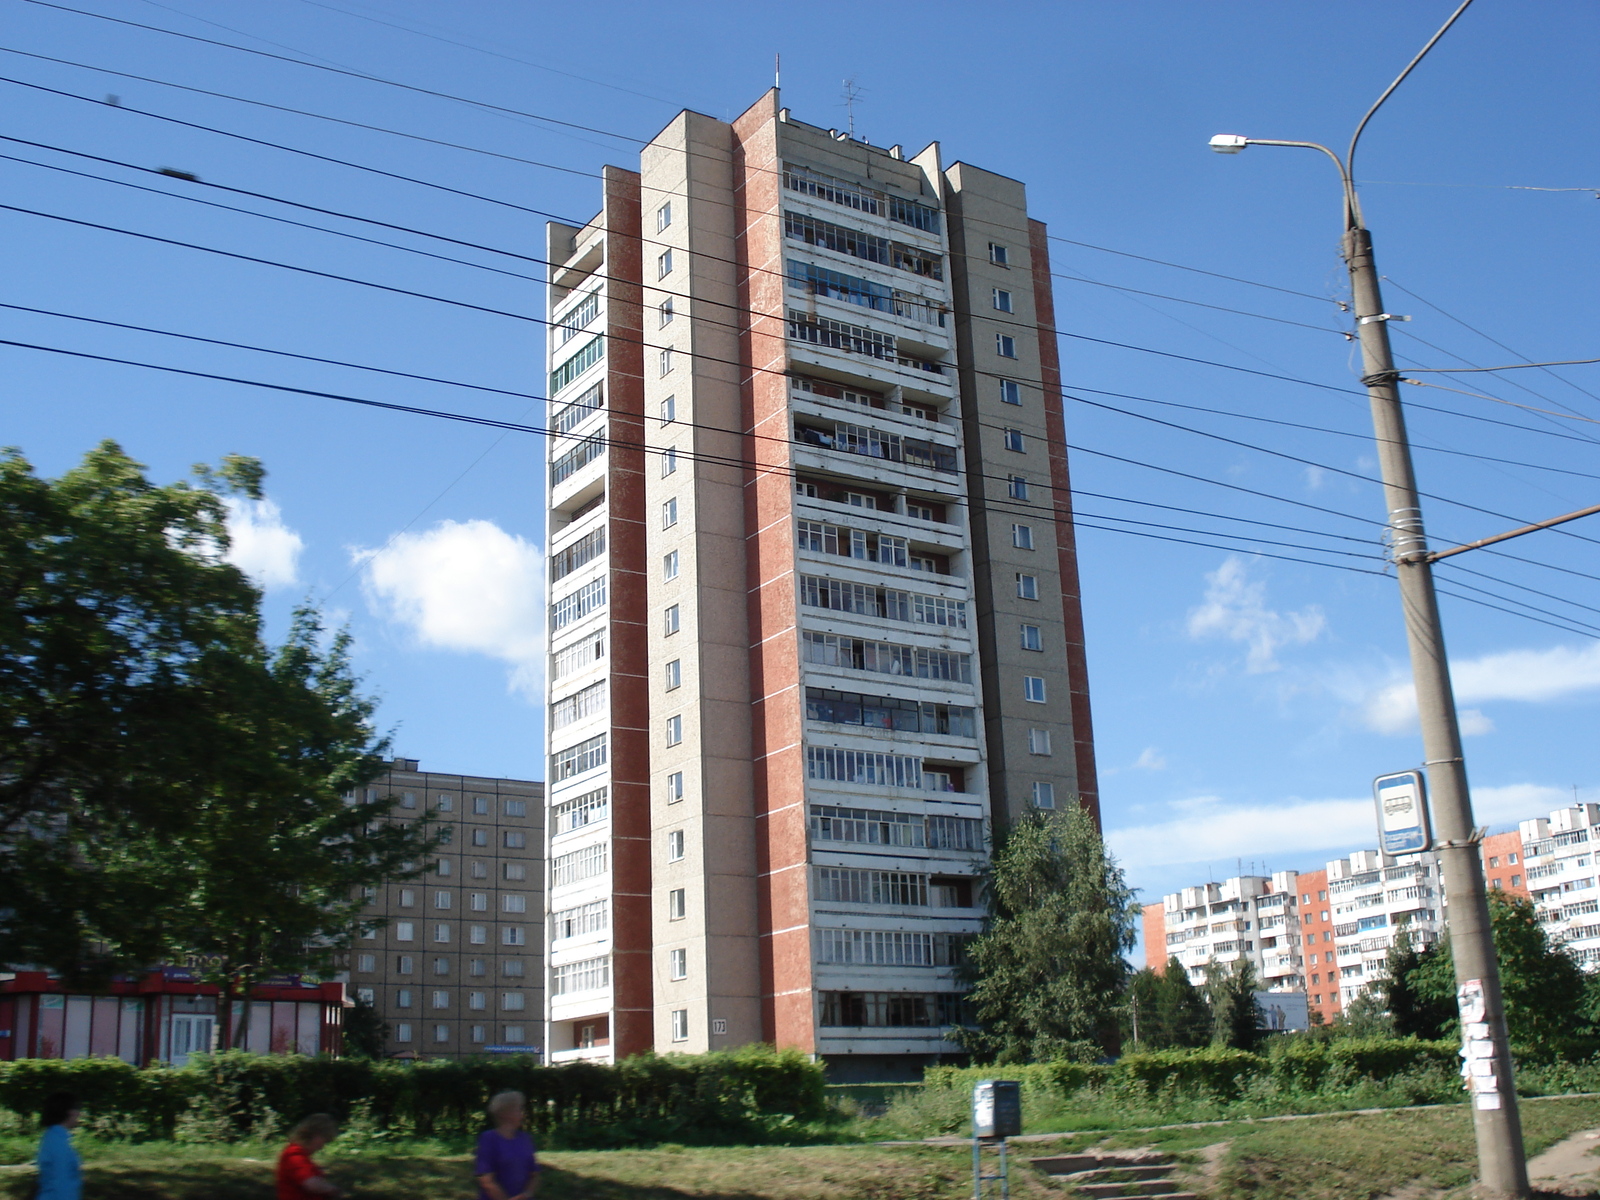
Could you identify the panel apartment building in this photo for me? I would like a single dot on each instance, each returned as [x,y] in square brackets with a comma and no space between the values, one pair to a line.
[815,627]
[456,965]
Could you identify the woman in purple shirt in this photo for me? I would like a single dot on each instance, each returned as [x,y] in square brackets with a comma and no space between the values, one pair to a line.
[505,1166]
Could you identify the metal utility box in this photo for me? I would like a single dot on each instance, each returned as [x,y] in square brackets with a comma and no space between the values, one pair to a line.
[996,1108]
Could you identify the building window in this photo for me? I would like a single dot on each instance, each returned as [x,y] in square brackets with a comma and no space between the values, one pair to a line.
[674,730]
[1039,742]
[477,1001]
[675,846]
[408,898]
[1022,537]
[1516,881]
[402,1032]
[366,996]
[676,904]
[514,904]
[1010,391]
[670,619]
[1031,638]
[674,787]
[669,565]
[1497,884]
[669,461]
[663,216]
[1017,487]
[441,998]
[1002,300]
[669,513]
[476,1034]
[442,867]
[678,964]
[478,935]
[515,1035]
[1005,345]
[1044,794]
[515,808]
[1033,689]
[664,313]
[405,964]
[441,933]
[1014,441]
[512,967]
[480,901]
[512,1001]
[998,255]
[441,966]
[674,674]
[408,800]
[402,998]
[447,804]
[480,806]
[441,899]
[366,962]
[480,837]
[513,935]
[514,839]
[664,264]
[680,1024]
[405,931]
[475,967]
[669,410]
[1028,587]
[1512,858]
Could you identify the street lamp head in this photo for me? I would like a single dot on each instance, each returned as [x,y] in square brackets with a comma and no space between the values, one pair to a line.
[1229,143]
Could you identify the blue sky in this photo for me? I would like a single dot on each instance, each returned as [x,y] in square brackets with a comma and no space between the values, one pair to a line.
[1242,703]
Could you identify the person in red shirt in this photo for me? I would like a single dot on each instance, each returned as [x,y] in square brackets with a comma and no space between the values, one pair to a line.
[299,1178]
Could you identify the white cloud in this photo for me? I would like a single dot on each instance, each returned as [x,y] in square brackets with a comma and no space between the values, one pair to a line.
[1532,676]
[1235,608]
[467,586]
[261,545]
[1315,478]
[1295,833]
[1151,760]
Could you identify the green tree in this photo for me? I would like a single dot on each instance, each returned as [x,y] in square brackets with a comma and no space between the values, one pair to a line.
[170,785]
[1412,1013]
[1180,1008]
[1546,993]
[366,1033]
[1231,996]
[1048,971]
[1165,1009]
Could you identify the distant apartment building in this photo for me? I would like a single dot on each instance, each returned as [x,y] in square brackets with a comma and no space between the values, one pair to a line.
[1375,898]
[1559,856]
[1320,966]
[1503,868]
[455,966]
[1253,918]
[815,626]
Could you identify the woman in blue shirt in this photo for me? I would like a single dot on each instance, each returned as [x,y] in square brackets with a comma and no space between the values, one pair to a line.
[59,1176]
[506,1168]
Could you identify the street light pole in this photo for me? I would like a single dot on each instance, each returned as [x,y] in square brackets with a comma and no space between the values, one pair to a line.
[1502,1168]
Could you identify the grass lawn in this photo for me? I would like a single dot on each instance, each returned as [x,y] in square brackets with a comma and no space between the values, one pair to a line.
[1348,1156]
[1351,1156]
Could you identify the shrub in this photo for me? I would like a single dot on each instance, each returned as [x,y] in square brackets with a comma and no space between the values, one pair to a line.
[750,1094]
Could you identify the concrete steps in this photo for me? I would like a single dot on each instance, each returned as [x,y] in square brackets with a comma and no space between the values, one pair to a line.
[1110,1176]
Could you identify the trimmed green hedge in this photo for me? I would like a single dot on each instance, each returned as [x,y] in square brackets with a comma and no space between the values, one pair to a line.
[1292,1064]
[737,1095]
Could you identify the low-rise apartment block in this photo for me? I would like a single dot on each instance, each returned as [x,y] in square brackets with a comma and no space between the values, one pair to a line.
[455,965]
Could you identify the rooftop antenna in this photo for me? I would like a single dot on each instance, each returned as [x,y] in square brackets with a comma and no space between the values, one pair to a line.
[852,93]
[777,70]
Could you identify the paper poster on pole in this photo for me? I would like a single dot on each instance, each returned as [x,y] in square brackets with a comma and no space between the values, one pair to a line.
[1402,812]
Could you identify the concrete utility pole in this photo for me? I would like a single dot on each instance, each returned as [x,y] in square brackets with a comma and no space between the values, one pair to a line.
[1502,1167]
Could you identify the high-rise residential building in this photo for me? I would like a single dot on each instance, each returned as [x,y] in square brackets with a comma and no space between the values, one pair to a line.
[1253,918]
[1321,956]
[1375,898]
[455,966]
[815,626]
[1560,874]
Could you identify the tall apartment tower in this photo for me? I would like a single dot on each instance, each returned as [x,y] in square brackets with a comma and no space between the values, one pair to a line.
[815,625]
